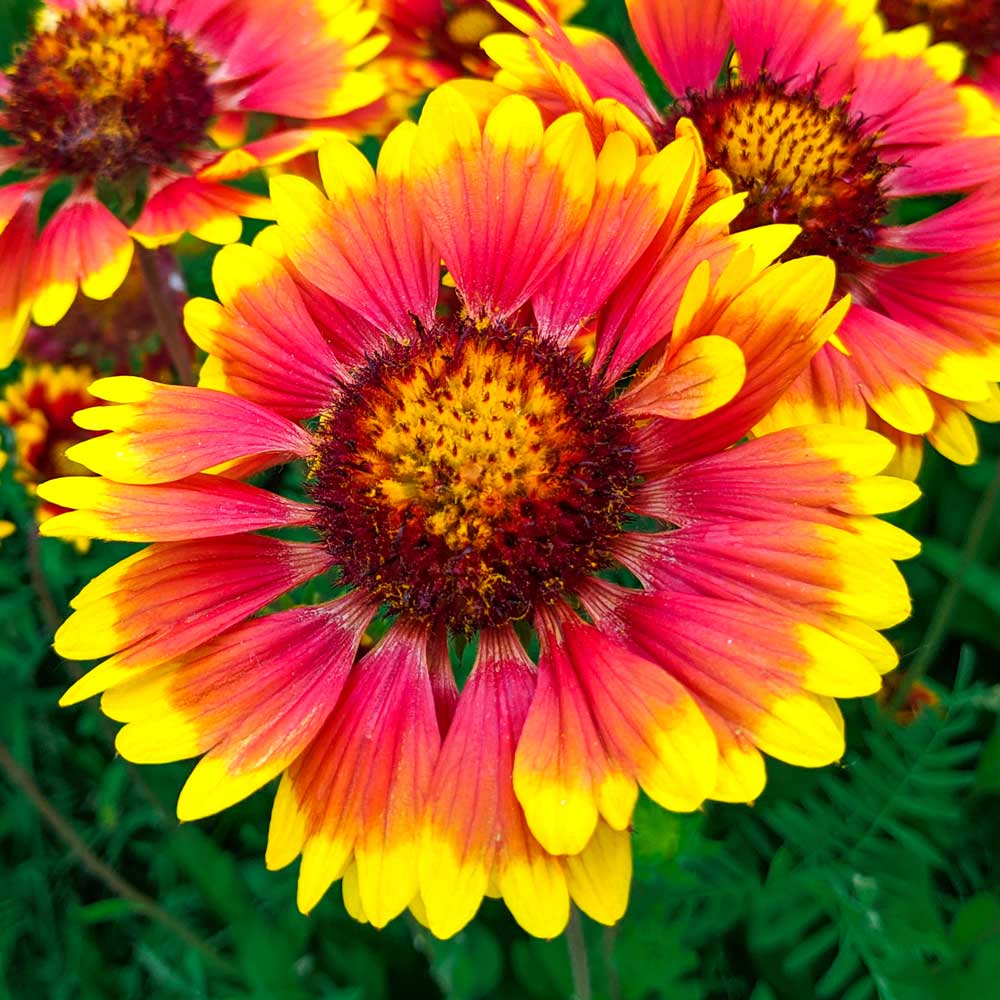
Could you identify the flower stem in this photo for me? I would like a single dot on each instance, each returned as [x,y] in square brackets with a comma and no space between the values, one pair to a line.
[608,939]
[53,618]
[93,864]
[578,963]
[46,602]
[937,630]
[161,301]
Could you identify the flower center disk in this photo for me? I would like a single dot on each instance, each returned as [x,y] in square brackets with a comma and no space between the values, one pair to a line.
[466,476]
[107,91]
[799,162]
[458,38]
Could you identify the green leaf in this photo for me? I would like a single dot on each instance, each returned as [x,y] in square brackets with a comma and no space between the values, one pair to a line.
[977,579]
[467,966]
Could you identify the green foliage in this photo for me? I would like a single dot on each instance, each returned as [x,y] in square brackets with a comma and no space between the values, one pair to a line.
[14,19]
[844,883]
[849,901]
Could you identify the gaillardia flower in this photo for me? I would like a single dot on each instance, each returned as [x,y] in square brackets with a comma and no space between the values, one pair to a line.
[972,25]
[122,98]
[825,120]
[430,42]
[38,409]
[537,459]
[116,336]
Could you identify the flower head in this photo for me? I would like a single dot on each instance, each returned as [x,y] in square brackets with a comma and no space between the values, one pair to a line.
[430,42]
[111,336]
[973,25]
[919,697]
[130,100]
[38,409]
[824,119]
[477,478]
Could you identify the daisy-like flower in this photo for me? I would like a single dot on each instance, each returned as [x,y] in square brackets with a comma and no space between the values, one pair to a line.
[116,336]
[430,42]
[920,697]
[38,408]
[824,120]
[973,25]
[121,97]
[538,459]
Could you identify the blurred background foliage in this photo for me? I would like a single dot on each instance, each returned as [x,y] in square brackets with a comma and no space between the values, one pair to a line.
[876,878]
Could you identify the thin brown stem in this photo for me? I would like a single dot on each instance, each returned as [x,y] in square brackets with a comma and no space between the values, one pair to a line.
[578,963]
[608,939]
[39,583]
[53,618]
[161,300]
[102,872]
[937,630]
